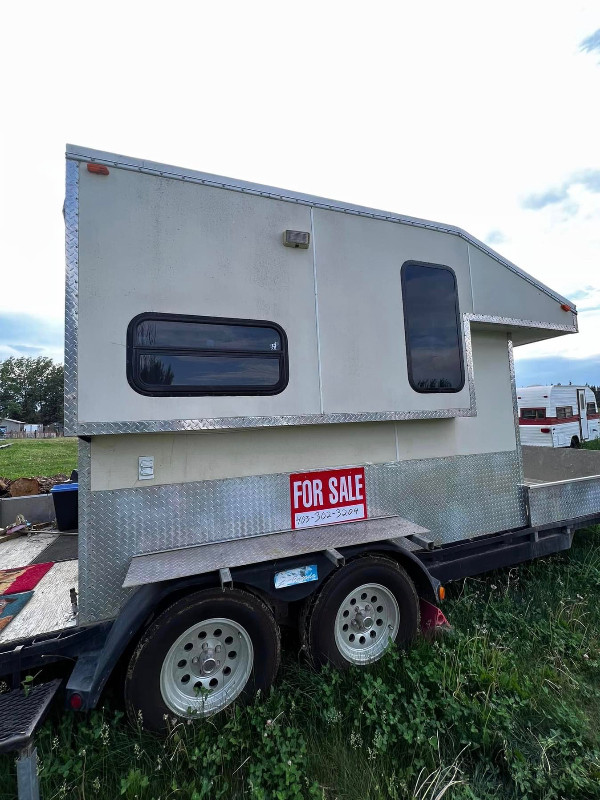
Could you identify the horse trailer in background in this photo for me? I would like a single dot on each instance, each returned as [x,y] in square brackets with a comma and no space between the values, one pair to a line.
[557,416]
[290,411]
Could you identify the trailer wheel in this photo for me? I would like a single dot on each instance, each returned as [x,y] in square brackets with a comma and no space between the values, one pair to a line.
[575,442]
[358,611]
[200,655]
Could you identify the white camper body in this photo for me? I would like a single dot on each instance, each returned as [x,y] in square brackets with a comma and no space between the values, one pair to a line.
[557,416]
[167,247]
[290,410]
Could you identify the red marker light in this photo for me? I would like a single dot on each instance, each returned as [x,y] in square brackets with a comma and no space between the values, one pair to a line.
[545,430]
[97,169]
[565,307]
[76,702]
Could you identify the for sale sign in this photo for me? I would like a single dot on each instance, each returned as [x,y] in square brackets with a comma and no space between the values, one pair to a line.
[323,498]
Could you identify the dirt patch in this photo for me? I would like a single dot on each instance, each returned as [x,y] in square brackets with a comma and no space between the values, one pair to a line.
[21,487]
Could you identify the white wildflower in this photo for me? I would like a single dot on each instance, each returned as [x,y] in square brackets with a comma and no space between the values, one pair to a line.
[355,740]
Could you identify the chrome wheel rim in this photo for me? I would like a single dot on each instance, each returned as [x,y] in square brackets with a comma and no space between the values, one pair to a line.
[206,668]
[366,621]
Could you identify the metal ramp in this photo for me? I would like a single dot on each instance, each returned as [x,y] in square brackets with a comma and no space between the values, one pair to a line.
[21,712]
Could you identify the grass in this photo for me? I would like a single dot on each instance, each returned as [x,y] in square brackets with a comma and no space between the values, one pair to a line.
[27,458]
[507,706]
[594,444]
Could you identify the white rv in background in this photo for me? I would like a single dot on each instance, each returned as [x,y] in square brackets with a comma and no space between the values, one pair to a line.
[557,416]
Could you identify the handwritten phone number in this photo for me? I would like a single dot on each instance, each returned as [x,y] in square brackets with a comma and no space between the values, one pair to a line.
[330,515]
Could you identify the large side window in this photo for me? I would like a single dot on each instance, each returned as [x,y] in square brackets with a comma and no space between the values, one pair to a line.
[173,354]
[432,328]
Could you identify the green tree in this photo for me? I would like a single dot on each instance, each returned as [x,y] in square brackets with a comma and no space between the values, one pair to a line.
[31,390]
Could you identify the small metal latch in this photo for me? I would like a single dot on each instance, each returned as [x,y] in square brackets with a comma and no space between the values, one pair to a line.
[335,557]
[421,541]
[225,578]
[73,596]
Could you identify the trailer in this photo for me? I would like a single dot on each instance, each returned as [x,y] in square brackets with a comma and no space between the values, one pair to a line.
[290,411]
[557,416]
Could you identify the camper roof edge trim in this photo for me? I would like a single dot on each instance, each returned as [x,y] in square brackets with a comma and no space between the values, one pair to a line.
[513,322]
[77,153]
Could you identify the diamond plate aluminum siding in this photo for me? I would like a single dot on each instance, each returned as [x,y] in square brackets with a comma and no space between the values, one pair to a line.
[553,502]
[71,294]
[454,498]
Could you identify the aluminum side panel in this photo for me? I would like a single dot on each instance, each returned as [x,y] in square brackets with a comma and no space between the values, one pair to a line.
[361,322]
[153,244]
[454,498]
[502,293]
[564,501]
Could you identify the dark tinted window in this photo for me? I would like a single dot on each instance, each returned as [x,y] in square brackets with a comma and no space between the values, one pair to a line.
[431,323]
[591,408]
[196,370]
[206,336]
[181,355]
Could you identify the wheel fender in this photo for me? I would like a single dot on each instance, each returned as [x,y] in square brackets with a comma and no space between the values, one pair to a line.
[92,670]
[426,585]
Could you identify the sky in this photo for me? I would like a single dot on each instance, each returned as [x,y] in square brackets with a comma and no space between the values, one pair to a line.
[481,115]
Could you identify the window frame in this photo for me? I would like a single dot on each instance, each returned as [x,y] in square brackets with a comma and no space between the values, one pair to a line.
[533,408]
[409,360]
[587,407]
[565,415]
[134,350]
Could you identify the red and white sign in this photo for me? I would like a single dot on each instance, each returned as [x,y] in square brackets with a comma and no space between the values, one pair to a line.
[323,498]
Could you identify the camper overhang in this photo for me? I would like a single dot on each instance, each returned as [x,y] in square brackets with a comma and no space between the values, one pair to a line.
[353,252]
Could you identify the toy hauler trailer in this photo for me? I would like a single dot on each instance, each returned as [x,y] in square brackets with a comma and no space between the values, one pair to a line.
[557,416]
[289,409]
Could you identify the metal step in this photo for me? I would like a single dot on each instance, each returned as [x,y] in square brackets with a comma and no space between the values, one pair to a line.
[21,712]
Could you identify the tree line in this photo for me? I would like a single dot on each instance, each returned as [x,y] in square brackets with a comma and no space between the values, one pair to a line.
[32,390]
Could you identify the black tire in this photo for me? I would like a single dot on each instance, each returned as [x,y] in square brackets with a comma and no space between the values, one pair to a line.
[318,619]
[142,688]
[575,443]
